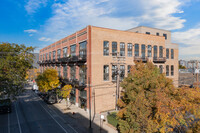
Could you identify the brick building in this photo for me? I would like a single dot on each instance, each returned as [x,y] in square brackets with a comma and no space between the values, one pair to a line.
[89,54]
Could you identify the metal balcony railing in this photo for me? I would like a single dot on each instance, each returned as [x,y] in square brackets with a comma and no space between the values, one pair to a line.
[159,59]
[78,84]
[39,62]
[82,58]
[139,58]
[73,59]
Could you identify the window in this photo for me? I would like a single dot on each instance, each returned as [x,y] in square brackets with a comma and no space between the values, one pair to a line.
[73,72]
[157,34]
[165,35]
[114,72]
[122,49]
[172,53]
[122,72]
[65,52]
[160,51]
[143,51]
[73,50]
[58,69]
[83,74]
[129,68]
[172,70]
[130,49]
[106,72]
[167,53]
[136,49]
[161,68]
[155,51]
[149,51]
[106,48]
[49,55]
[54,54]
[65,72]
[83,99]
[114,48]
[58,53]
[83,49]
[148,33]
[167,70]
[46,56]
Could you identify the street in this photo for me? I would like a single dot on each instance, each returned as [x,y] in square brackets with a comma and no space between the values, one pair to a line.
[30,114]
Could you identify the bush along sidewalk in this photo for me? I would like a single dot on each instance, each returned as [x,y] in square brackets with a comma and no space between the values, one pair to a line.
[112,119]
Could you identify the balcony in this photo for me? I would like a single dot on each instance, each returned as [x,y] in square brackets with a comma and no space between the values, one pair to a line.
[82,58]
[73,59]
[53,61]
[159,59]
[66,81]
[39,62]
[64,60]
[78,84]
[46,61]
[49,61]
[138,58]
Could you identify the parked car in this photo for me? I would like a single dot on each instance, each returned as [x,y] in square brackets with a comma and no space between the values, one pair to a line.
[50,98]
[35,87]
[5,105]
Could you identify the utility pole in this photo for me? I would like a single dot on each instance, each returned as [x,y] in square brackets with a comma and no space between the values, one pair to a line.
[119,60]
[197,74]
[196,71]
[89,103]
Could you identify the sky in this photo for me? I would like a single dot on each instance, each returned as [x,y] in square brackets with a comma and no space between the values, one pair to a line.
[39,23]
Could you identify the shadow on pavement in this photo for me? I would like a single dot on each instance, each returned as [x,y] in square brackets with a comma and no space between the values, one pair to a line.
[85,122]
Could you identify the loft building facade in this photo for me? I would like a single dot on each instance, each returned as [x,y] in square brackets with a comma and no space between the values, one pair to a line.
[87,60]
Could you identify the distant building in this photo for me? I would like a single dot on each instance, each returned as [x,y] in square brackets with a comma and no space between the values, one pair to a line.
[89,53]
[35,60]
[183,63]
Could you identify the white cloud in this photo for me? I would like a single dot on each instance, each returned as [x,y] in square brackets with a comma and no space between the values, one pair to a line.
[33,5]
[45,39]
[76,14]
[160,14]
[30,31]
[188,40]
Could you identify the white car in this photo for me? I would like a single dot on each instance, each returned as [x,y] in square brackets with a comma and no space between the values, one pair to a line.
[35,87]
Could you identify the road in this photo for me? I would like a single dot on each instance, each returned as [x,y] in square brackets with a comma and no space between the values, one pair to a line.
[30,114]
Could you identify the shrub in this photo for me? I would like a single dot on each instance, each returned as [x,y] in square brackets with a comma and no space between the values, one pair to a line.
[112,119]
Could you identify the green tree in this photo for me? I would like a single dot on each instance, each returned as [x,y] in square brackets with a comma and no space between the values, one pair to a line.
[182,67]
[15,60]
[48,80]
[150,103]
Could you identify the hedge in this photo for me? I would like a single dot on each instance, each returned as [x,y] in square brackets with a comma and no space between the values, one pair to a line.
[112,119]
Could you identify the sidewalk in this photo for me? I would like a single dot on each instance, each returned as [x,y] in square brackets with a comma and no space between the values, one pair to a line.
[83,117]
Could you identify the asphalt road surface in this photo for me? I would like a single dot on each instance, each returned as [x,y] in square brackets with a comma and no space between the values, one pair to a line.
[30,114]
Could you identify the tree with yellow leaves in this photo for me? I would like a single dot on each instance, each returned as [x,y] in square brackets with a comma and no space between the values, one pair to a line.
[150,103]
[32,74]
[64,92]
[48,80]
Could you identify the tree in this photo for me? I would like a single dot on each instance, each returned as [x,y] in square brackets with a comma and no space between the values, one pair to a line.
[32,74]
[65,91]
[15,60]
[150,103]
[48,80]
[182,67]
